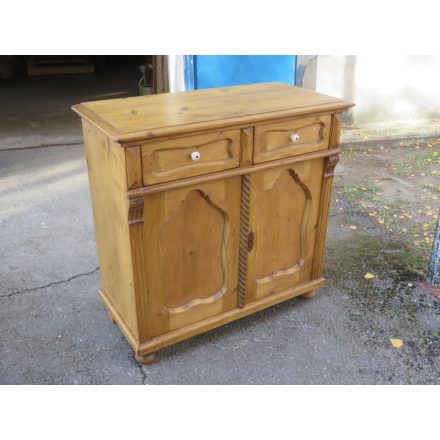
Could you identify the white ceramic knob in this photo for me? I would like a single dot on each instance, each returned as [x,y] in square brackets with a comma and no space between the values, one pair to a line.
[195,155]
[294,137]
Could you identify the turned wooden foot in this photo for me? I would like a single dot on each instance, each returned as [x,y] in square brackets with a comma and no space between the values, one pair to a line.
[111,318]
[309,295]
[146,359]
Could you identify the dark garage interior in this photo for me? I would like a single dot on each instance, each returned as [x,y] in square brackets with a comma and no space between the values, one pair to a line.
[37,92]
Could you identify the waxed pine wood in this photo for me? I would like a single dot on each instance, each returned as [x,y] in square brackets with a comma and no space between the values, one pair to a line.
[107,179]
[149,117]
[169,160]
[187,245]
[283,217]
[272,141]
[191,265]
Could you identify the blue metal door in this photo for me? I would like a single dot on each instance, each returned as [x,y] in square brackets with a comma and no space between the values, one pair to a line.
[206,71]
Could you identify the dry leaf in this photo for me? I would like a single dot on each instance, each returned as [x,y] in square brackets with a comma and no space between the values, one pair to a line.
[353,227]
[369,276]
[396,343]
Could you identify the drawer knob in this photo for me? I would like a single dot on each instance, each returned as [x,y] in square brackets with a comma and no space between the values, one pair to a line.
[294,137]
[195,155]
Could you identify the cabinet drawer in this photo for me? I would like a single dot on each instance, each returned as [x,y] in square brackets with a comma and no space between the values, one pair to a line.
[283,139]
[180,157]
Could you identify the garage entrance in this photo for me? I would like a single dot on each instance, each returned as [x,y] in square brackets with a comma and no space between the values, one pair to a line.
[37,92]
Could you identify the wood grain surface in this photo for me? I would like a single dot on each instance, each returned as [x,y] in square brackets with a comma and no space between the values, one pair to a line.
[147,117]
[188,245]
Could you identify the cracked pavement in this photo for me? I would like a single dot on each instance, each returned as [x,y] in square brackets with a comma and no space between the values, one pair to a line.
[54,330]
[8,295]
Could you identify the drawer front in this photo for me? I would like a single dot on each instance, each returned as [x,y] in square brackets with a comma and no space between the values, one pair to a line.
[283,139]
[180,157]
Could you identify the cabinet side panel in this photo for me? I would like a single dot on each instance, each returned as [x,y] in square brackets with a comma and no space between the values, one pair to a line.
[108,185]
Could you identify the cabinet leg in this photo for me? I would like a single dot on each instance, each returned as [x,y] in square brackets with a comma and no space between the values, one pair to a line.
[146,359]
[111,318]
[309,295]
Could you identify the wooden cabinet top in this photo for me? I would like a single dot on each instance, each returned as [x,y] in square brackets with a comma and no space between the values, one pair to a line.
[147,117]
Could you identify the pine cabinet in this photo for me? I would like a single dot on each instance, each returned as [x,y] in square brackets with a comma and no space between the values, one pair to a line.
[208,205]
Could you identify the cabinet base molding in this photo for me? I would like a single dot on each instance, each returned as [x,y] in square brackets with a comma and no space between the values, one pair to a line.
[205,325]
[223,318]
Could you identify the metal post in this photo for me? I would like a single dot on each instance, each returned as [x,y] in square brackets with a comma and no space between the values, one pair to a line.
[433,277]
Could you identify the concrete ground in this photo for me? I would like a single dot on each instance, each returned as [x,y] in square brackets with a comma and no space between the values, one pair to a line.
[54,330]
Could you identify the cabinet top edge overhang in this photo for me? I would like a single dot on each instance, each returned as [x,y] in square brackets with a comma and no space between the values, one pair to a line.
[143,118]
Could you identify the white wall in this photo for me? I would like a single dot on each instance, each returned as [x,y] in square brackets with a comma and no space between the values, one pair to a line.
[176,73]
[384,87]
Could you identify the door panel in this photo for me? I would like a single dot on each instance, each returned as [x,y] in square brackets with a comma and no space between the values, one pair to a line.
[206,71]
[283,217]
[190,252]
[286,207]
[192,268]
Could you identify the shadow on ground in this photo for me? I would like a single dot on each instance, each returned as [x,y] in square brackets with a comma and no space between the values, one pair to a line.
[54,330]
[60,334]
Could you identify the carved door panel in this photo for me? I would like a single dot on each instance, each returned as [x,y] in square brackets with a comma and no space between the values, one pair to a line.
[283,217]
[191,257]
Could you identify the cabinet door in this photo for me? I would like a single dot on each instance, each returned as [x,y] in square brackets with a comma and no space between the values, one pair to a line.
[191,253]
[283,217]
